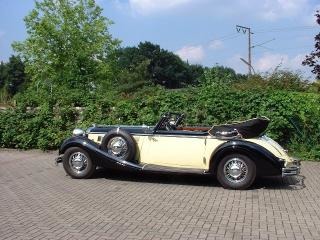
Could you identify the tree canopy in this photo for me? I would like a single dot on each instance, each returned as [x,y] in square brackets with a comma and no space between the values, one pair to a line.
[313,59]
[12,77]
[155,65]
[67,43]
[220,75]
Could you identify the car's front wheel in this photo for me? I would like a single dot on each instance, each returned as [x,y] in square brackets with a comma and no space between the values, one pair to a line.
[236,171]
[77,163]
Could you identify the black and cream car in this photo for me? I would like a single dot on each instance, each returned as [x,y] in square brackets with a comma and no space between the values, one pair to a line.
[235,153]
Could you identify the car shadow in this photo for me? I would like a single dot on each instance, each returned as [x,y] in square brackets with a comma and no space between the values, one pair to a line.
[158,177]
[289,183]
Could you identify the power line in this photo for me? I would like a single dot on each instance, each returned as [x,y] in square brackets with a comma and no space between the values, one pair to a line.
[231,36]
[294,36]
[286,49]
[235,35]
[263,43]
[270,49]
[287,29]
[245,30]
[293,48]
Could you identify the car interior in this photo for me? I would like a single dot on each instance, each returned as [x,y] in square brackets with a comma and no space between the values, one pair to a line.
[171,123]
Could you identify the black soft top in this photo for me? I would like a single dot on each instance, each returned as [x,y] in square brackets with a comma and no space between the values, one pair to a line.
[248,129]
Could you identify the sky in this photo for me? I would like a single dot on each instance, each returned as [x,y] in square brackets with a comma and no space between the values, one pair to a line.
[200,31]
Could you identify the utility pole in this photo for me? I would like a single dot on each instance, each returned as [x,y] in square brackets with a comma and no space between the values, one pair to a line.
[244,31]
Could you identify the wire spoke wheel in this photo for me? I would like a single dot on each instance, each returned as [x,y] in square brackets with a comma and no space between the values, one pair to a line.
[235,170]
[78,162]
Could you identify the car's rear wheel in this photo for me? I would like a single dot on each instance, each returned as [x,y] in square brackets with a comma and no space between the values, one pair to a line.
[77,163]
[119,143]
[236,171]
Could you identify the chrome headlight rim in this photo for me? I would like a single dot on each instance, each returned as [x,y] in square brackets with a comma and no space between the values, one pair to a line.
[78,132]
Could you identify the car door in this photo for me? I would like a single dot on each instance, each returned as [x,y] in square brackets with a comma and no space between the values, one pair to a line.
[175,151]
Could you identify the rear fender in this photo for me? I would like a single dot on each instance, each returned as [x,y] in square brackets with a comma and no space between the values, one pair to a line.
[267,163]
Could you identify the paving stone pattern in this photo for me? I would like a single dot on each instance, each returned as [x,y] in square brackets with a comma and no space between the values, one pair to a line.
[38,201]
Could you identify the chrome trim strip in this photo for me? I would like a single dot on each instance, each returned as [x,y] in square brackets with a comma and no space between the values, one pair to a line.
[179,136]
[161,135]
[133,134]
[161,168]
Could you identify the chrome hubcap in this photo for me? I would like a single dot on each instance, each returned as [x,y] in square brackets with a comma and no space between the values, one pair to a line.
[117,146]
[78,162]
[235,170]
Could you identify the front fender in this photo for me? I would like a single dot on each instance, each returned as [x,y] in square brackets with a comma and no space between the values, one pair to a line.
[100,157]
[78,141]
[267,163]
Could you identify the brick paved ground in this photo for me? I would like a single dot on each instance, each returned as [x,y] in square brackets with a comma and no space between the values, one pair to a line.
[38,201]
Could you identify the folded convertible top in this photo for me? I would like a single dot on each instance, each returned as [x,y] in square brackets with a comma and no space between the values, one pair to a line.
[248,129]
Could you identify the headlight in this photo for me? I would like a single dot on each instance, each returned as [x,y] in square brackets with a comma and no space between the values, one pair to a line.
[78,132]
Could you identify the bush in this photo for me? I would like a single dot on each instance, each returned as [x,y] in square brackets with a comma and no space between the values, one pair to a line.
[27,129]
[295,116]
[276,80]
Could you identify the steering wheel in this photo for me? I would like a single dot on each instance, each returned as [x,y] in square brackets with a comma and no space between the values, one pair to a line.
[170,121]
[165,125]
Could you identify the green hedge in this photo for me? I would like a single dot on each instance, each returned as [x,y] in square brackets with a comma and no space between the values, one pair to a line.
[295,117]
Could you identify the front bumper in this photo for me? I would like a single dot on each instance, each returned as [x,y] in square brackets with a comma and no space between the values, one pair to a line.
[293,169]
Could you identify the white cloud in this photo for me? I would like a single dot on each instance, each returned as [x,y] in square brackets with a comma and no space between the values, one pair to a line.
[216,44]
[269,10]
[296,62]
[311,19]
[193,54]
[151,6]
[270,61]
[235,63]
[275,9]
[119,5]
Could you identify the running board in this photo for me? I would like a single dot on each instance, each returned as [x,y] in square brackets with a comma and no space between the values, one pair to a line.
[158,168]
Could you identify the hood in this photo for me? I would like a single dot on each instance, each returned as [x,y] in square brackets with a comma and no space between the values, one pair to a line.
[138,129]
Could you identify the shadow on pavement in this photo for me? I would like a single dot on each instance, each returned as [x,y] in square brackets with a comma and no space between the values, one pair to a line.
[289,183]
[158,177]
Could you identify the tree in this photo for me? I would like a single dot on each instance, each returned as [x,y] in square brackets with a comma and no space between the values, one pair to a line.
[67,43]
[3,74]
[221,76]
[16,76]
[165,68]
[12,78]
[149,63]
[313,59]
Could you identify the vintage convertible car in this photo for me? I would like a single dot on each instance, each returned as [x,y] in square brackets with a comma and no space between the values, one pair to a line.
[235,153]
